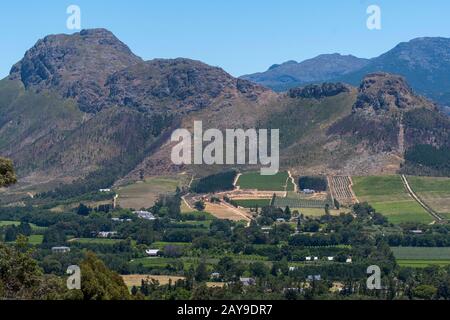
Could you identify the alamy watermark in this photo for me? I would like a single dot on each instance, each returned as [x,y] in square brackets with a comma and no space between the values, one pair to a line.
[374,19]
[74,20]
[74,280]
[374,279]
[239,146]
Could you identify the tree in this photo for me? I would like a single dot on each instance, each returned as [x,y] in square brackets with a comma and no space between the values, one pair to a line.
[100,283]
[199,205]
[7,174]
[83,210]
[425,292]
[201,273]
[22,279]
[259,269]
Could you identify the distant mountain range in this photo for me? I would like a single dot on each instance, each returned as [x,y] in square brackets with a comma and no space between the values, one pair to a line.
[291,74]
[424,62]
[82,112]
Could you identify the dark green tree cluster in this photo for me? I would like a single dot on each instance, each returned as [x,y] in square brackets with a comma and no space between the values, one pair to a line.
[217,182]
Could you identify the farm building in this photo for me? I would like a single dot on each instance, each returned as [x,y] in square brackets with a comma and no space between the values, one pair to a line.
[152,252]
[215,275]
[107,234]
[60,249]
[317,277]
[247,281]
[145,215]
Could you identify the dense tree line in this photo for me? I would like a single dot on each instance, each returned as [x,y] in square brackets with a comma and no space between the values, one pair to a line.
[217,182]
[313,183]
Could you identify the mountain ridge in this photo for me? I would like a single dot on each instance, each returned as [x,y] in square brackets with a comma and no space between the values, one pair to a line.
[423,61]
[122,131]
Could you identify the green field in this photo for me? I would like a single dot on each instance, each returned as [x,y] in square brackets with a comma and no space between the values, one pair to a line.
[143,194]
[389,197]
[96,241]
[435,192]
[423,263]
[252,203]
[16,223]
[35,239]
[418,253]
[417,257]
[254,180]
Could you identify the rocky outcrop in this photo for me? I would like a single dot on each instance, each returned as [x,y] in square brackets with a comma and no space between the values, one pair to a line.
[179,85]
[319,91]
[383,92]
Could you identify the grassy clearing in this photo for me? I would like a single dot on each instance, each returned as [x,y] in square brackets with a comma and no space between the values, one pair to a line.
[161,245]
[143,194]
[35,239]
[315,212]
[16,223]
[254,180]
[433,191]
[389,197]
[96,241]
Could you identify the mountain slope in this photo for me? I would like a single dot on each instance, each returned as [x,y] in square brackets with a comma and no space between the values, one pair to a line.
[319,69]
[95,138]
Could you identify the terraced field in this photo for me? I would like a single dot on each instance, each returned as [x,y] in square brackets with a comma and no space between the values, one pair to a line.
[254,180]
[389,197]
[435,192]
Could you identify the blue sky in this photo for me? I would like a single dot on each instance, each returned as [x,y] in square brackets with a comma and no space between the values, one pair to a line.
[241,36]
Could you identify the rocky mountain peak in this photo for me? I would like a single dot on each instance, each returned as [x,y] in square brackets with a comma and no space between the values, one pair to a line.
[76,66]
[383,92]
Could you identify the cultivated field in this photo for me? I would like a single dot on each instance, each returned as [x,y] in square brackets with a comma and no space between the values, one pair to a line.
[254,180]
[316,212]
[435,192]
[136,280]
[222,211]
[143,194]
[421,257]
[389,197]
[297,200]
[341,189]
[252,203]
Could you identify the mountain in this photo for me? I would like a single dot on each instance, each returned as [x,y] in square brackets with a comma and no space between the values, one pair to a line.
[424,62]
[83,105]
[72,129]
[76,66]
[319,69]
